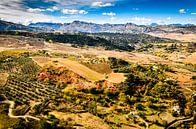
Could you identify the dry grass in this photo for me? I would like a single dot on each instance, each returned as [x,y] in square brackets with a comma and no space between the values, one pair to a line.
[116,77]
[88,120]
[155,127]
[176,36]
[42,61]
[74,66]
[181,77]
[167,116]
[20,42]
[131,57]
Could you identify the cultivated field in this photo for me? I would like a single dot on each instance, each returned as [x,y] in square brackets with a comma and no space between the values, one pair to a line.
[72,65]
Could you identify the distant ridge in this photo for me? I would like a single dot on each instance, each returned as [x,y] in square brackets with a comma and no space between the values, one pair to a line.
[86,27]
[5,25]
[80,26]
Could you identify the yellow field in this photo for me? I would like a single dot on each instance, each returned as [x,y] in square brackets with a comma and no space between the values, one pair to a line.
[72,65]
[80,69]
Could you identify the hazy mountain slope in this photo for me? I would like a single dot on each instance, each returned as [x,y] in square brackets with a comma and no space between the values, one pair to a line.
[45,25]
[79,26]
[4,25]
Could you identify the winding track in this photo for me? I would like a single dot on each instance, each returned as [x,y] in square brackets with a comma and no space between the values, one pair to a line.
[171,124]
[179,121]
[11,115]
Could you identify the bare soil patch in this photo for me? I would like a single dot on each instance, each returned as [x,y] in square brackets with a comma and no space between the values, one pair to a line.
[182,78]
[191,59]
[116,77]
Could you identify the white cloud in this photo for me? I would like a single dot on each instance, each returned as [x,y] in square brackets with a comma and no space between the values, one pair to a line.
[54,8]
[63,17]
[182,11]
[193,13]
[113,18]
[73,4]
[141,20]
[16,12]
[38,10]
[74,11]
[109,14]
[101,4]
[35,10]
[168,18]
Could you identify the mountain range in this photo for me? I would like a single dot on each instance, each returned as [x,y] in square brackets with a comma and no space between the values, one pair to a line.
[79,26]
[4,25]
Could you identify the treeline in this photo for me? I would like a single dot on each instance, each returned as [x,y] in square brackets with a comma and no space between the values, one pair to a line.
[80,39]
[132,38]
[109,41]
[77,40]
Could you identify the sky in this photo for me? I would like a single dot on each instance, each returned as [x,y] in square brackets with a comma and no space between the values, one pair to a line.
[141,12]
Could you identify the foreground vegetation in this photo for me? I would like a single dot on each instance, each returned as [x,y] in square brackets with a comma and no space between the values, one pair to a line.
[62,98]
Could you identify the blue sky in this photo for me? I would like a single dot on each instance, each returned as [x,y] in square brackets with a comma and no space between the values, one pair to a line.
[99,11]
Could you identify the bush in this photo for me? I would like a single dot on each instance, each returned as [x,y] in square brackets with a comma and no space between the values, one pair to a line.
[174,114]
[139,107]
[194,77]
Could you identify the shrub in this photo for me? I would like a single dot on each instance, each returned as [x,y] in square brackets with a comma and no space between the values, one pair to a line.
[139,106]
[194,77]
